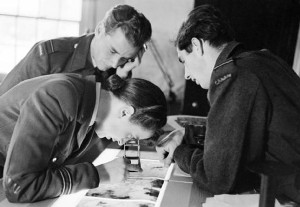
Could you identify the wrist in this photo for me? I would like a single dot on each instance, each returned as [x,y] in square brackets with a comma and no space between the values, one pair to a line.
[102,174]
[179,138]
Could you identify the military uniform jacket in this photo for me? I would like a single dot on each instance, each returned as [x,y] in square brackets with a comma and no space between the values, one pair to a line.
[62,55]
[44,123]
[254,115]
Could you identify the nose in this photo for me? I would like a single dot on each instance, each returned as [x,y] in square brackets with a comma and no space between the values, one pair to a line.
[187,76]
[115,61]
[122,141]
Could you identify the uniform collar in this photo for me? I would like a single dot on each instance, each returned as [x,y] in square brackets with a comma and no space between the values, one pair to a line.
[87,105]
[231,49]
[98,88]
[82,52]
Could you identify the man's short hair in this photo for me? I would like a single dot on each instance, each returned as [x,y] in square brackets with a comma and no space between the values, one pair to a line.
[135,25]
[207,23]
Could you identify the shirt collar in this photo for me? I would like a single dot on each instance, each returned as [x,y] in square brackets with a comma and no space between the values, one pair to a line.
[98,87]
[231,49]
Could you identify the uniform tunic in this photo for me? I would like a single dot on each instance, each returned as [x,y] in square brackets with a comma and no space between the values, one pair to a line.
[62,55]
[44,123]
[254,115]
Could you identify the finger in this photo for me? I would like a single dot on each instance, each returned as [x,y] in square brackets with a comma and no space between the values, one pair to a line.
[136,61]
[124,71]
[168,161]
[134,168]
[140,54]
[126,175]
[161,153]
[126,161]
[169,158]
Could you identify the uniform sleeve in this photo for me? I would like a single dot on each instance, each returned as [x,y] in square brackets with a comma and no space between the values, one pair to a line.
[215,167]
[28,175]
[34,64]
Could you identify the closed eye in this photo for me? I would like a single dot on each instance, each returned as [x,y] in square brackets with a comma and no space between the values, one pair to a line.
[180,60]
[113,51]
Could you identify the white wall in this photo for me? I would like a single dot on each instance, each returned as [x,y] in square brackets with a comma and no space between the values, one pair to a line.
[166,17]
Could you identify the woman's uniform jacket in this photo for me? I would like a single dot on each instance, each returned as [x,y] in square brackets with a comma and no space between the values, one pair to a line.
[254,116]
[44,123]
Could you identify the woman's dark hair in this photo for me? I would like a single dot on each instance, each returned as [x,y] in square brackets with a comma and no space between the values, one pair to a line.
[147,99]
[135,25]
[207,23]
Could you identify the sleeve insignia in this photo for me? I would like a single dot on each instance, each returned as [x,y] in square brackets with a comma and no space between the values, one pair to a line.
[222,79]
[40,49]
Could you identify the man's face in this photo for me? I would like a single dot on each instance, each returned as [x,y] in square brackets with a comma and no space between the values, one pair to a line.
[122,130]
[111,50]
[195,66]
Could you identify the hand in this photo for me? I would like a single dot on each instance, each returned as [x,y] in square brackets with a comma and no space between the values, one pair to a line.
[135,167]
[124,70]
[165,149]
[115,171]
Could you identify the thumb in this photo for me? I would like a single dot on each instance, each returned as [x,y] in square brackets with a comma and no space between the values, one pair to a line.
[161,153]
[168,161]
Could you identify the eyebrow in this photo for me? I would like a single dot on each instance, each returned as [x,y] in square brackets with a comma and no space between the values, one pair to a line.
[114,50]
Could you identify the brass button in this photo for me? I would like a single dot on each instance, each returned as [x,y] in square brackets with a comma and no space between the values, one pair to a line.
[194,104]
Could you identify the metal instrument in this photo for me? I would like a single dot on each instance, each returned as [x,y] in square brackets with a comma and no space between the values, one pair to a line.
[133,146]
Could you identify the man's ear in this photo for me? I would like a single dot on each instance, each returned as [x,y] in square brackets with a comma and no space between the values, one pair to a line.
[127,111]
[197,45]
[99,28]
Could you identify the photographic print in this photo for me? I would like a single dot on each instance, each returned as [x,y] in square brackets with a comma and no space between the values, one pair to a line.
[92,201]
[141,189]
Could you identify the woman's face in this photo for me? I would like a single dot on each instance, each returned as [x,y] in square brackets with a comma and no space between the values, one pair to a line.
[120,129]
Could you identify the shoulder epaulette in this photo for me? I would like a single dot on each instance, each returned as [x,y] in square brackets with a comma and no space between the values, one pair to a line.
[218,66]
[56,45]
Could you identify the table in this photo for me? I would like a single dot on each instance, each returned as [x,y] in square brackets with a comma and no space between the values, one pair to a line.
[180,183]
[190,194]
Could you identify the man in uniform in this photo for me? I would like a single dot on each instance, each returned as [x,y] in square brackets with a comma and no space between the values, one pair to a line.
[117,45]
[254,109]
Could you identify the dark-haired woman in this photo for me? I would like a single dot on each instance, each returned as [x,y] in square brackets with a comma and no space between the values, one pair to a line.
[47,121]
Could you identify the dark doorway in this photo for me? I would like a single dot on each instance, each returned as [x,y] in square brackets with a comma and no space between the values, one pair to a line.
[270,24]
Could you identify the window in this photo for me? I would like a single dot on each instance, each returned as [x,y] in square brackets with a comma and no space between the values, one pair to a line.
[23,23]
